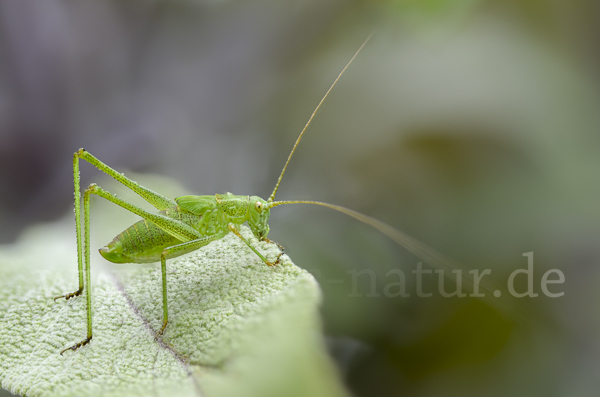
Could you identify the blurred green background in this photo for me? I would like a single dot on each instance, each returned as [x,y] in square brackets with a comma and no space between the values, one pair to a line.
[472,125]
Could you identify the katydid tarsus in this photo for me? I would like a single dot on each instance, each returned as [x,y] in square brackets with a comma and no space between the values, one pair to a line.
[187,223]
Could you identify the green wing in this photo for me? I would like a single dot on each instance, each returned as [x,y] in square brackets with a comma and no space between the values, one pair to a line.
[197,205]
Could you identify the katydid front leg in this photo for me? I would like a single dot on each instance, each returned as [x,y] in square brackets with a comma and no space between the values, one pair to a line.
[276,243]
[232,227]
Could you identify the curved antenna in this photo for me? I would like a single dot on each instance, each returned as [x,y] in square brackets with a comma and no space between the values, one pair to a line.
[272,196]
[416,247]
[429,255]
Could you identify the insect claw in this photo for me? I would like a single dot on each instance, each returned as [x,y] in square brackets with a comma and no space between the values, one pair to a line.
[77,345]
[159,333]
[277,261]
[69,296]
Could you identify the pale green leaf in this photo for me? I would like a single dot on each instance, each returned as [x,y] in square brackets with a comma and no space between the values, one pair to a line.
[237,327]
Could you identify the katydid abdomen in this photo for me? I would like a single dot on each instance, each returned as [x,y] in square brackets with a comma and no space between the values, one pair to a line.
[143,242]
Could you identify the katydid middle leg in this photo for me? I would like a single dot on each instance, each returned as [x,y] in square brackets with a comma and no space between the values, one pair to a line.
[172,252]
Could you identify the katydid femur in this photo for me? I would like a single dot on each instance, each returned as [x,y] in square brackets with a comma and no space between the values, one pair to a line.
[188,223]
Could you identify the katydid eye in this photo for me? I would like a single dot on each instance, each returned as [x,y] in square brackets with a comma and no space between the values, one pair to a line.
[259,206]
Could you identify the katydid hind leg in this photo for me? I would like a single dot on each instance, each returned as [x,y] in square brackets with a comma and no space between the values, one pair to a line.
[157,200]
[169,225]
[77,195]
[87,271]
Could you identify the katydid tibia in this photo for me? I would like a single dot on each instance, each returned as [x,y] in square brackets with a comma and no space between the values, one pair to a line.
[188,223]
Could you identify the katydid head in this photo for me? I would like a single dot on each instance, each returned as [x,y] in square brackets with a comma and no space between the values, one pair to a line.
[258,217]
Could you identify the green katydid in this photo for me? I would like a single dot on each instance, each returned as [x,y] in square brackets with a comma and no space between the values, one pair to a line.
[188,223]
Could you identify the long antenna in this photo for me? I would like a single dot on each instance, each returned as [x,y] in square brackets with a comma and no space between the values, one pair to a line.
[433,258]
[272,197]
[426,253]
